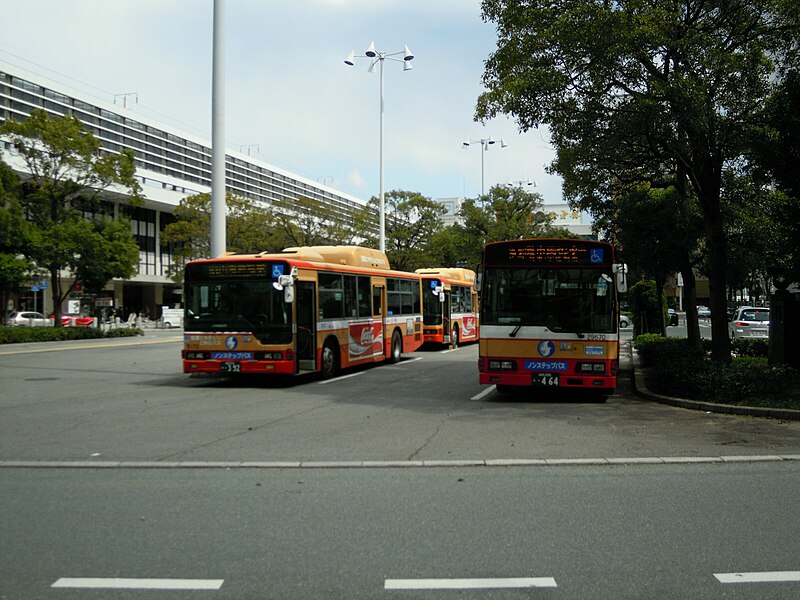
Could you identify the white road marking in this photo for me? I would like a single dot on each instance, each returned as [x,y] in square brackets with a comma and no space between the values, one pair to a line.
[485,392]
[327,381]
[407,362]
[469,584]
[138,584]
[763,577]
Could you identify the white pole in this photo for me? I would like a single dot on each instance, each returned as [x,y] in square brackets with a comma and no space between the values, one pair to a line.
[218,204]
[382,203]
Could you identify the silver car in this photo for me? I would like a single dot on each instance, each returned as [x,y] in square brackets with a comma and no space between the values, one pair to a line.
[27,318]
[749,322]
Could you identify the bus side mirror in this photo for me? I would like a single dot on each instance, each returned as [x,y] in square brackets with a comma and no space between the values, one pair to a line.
[439,291]
[620,275]
[285,283]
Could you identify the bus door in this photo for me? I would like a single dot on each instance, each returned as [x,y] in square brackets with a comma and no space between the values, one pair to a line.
[378,302]
[306,300]
[446,317]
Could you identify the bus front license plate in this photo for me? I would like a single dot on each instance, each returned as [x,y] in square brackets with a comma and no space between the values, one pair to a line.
[230,367]
[545,379]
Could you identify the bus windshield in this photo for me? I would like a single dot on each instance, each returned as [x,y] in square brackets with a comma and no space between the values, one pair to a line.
[241,305]
[563,300]
[431,306]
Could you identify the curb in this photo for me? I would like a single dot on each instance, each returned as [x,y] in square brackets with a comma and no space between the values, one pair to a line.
[397,464]
[641,390]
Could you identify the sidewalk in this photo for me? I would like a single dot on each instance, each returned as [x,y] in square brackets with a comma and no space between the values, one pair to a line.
[641,390]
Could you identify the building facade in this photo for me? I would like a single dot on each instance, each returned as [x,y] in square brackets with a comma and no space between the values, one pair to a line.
[170,165]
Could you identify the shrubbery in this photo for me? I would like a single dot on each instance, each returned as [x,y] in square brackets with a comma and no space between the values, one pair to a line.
[21,335]
[676,369]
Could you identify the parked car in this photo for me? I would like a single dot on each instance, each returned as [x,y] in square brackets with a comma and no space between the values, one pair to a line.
[624,321]
[172,317]
[673,316]
[27,318]
[749,322]
[703,312]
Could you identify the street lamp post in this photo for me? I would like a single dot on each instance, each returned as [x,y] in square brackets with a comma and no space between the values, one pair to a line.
[378,57]
[485,143]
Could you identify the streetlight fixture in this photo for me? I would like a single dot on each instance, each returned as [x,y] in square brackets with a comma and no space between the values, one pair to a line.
[485,143]
[377,57]
[522,182]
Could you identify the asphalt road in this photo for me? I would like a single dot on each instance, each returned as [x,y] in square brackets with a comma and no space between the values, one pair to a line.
[121,477]
[125,401]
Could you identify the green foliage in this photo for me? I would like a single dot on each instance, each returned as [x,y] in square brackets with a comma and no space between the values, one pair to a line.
[308,222]
[634,92]
[757,347]
[24,335]
[67,172]
[647,305]
[676,369]
[411,220]
[249,229]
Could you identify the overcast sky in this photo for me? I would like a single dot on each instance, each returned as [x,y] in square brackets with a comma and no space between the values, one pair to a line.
[289,95]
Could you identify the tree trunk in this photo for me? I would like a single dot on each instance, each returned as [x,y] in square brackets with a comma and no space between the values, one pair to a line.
[56,295]
[690,306]
[718,261]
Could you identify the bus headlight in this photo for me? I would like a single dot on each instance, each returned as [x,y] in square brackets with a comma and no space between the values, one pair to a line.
[590,367]
[502,365]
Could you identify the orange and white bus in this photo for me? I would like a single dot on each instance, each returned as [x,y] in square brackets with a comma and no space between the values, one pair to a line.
[549,315]
[449,306]
[303,310]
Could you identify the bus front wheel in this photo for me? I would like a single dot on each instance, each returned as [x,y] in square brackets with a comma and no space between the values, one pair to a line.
[454,337]
[397,348]
[330,360]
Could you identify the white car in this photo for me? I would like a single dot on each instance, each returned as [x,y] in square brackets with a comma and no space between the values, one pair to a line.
[27,318]
[703,312]
[624,321]
[749,322]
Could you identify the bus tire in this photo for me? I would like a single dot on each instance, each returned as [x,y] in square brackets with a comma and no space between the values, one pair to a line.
[330,360]
[397,348]
[454,337]
[505,389]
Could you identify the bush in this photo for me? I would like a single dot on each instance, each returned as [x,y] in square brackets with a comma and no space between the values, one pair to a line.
[22,335]
[751,347]
[675,369]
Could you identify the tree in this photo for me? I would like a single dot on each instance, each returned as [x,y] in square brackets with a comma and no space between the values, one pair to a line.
[248,228]
[411,221]
[684,77]
[505,213]
[14,270]
[65,173]
[309,222]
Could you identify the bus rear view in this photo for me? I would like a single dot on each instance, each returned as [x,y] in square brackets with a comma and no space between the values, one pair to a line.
[549,315]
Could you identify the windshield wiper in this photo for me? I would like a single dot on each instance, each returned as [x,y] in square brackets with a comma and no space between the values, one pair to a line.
[516,331]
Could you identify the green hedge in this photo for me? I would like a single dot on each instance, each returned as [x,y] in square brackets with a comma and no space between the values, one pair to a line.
[22,335]
[751,347]
[674,368]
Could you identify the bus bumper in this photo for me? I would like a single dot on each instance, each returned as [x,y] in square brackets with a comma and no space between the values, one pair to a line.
[564,381]
[243,367]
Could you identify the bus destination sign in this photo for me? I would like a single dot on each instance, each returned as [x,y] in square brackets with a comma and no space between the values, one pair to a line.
[229,270]
[566,252]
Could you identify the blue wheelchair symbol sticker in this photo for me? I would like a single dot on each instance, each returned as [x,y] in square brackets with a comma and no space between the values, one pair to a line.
[596,255]
[277,271]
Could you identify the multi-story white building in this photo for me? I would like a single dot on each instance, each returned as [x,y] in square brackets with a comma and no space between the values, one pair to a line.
[170,165]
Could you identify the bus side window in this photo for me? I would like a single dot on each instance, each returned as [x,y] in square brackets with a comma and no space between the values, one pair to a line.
[363,297]
[377,306]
